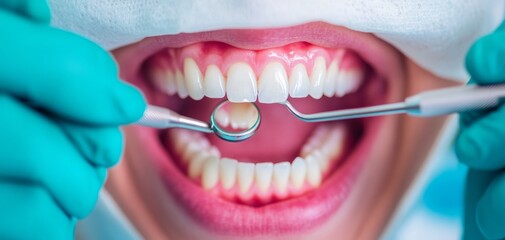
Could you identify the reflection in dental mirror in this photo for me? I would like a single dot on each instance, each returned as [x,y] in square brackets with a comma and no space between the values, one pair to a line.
[235,121]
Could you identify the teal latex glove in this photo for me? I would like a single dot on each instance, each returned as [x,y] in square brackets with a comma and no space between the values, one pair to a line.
[481,145]
[61,105]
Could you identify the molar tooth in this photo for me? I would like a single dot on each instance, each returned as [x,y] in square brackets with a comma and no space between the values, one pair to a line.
[245,176]
[273,84]
[264,173]
[193,79]
[298,171]
[181,88]
[210,174]
[281,176]
[331,78]
[241,83]
[299,84]
[228,172]
[354,78]
[313,171]
[317,78]
[213,83]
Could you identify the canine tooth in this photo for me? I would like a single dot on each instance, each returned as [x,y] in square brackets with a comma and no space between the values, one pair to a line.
[210,173]
[298,171]
[273,84]
[241,83]
[213,83]
[331,78]
[245,176]
[281,176]
[181,88]
[193,79]
[313,171]
[196,164]
[164,79]
[299,83]
[264,173]
[317,78]
[228,172]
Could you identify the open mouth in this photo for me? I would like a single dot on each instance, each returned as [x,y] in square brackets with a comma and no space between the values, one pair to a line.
[291,175]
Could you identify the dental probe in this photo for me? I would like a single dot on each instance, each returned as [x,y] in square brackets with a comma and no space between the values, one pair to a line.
[161,118]
[425,104]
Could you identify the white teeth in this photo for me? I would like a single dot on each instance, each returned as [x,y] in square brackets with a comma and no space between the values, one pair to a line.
[298,171]
[299,84]
[331,78]
[238,116]
[313,171]
[210,174]
[196,165]
[164,80]
[245,176]
[213,83]
[281,176]
[181,88]
[264,173]
[273,84]
[227,172]
[241,83]
[354,79]
[193,79]
[317,78]
[204,163]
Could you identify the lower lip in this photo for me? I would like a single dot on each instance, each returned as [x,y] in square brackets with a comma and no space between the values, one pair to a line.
[311,209]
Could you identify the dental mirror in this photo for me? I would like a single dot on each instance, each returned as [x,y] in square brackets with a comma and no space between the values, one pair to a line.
[233,122]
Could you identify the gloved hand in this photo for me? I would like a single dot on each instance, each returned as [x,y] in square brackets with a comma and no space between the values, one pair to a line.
[61,104]
[481,145]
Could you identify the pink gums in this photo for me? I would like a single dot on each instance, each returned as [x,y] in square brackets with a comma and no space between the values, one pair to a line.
[224,55]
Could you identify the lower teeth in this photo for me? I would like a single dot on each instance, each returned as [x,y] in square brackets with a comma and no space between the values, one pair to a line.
[233,179]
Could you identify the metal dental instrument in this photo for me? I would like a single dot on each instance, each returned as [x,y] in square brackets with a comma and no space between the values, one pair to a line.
[425,104]
[158,117]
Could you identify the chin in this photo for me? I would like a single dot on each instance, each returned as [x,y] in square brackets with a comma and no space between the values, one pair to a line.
[292,180]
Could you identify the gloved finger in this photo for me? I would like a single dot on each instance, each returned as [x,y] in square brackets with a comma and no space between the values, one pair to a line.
[68,75]
[491,209]
[29,212]
[480,145]
[485,59]
[37,10]
[476,184]
[34,149]
[101,146]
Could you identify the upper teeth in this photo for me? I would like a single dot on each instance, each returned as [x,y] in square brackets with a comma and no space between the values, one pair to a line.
[244,180]
[274,84]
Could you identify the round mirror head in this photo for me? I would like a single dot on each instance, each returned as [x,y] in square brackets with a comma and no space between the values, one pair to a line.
[235,122]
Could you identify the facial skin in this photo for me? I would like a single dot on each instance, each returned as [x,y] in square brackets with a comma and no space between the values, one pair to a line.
[391,160]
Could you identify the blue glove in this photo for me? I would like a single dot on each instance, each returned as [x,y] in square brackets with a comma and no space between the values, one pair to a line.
[61,105]
[481,145]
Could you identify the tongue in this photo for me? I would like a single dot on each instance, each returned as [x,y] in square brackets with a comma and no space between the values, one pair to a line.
[280,135]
